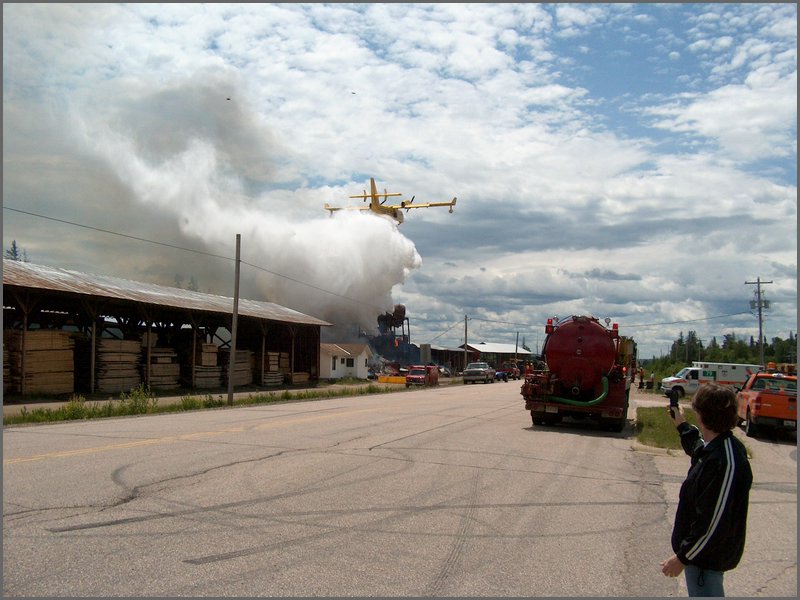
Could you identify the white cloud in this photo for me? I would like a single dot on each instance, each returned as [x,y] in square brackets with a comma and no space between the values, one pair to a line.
[121,112]
[749,121]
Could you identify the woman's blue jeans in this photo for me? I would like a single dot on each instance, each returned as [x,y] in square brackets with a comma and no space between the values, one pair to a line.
[703,582]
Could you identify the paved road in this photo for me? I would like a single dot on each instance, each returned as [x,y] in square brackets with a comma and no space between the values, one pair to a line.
[444,492]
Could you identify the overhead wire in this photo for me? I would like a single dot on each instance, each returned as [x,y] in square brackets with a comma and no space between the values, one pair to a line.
[292,279]
[193,250]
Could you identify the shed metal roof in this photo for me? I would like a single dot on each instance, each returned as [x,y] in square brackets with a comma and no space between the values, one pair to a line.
[488,347]
[28,275]
[446,349]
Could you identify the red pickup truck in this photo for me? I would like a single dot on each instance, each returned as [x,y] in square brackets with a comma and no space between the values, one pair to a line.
[424,375]
[511,370]
[768,400]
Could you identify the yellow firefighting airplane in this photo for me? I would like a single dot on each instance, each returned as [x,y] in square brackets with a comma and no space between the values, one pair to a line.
[380,207]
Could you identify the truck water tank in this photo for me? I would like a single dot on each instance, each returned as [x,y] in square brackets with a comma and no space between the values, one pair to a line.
[580,352]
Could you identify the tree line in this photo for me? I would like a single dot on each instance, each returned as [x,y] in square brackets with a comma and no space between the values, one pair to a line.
[732,349]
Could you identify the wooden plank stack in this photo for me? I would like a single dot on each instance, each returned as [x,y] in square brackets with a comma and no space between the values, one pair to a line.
[49,361]
[276,365]
[165,370]
[118,363]
[6,371]
[206,355]
[299,377]
[242,368]
[207,373]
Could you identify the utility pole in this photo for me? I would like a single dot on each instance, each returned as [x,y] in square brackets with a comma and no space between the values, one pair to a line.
[465,342]
[760,304]
[232,361]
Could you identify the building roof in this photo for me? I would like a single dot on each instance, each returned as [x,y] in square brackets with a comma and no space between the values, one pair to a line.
[490,348]
[344,349]
[446,349]
[28,275]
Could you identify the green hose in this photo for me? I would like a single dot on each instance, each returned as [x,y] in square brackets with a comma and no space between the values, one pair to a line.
[597,400]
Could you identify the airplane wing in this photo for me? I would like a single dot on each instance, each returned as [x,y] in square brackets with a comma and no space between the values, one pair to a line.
[366,196]
[334,208]
[409,205]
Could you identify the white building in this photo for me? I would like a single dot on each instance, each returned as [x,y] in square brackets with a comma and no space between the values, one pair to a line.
[337,361]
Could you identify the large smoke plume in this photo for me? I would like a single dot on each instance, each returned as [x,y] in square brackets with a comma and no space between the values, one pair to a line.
[203,169]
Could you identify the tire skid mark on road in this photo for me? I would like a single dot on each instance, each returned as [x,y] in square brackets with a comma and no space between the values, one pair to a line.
[457,548]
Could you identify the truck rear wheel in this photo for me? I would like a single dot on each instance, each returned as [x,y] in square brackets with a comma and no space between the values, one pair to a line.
[749,426]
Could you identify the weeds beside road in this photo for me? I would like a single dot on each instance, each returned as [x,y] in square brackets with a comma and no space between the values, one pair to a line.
[142,401]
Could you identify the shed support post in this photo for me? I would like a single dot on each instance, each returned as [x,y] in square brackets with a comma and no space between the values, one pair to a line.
[263,354]
[149,353]
[293,332]
[24,345]
[93,355]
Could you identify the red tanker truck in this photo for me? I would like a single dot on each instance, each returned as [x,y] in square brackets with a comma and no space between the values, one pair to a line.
[587,374]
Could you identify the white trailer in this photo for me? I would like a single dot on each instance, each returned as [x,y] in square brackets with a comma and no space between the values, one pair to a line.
[687,380]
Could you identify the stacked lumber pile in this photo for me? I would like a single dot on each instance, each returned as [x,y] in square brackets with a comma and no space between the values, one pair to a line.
[6,371]
[118,363]
[299,377]
[206,355]
[276,364]
[165,370]
[242,367]
[49,361]
[207,374]
[270,378]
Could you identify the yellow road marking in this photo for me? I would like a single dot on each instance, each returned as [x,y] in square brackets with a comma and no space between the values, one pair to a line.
[174,438]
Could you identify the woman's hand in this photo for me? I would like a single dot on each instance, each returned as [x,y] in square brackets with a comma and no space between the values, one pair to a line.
[672,567]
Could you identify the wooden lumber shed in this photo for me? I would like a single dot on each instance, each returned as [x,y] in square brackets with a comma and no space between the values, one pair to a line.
[104,313]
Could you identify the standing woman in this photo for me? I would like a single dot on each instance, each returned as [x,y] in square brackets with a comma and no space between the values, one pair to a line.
[710,523]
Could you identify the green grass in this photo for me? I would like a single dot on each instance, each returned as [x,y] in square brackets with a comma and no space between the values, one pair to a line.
[655,428]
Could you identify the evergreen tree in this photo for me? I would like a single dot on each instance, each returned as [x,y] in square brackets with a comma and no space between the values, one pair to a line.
[14,252]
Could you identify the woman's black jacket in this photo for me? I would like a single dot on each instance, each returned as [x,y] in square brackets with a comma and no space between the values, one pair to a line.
[711,520]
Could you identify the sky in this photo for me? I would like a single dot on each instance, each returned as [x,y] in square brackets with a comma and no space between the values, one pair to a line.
[636,162]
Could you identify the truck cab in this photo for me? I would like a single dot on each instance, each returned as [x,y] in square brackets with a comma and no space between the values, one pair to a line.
[768,400]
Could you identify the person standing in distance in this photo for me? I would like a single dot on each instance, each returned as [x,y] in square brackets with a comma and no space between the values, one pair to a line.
[711,521]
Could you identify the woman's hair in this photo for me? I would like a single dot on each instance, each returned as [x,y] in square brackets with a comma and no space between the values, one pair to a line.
[716,406]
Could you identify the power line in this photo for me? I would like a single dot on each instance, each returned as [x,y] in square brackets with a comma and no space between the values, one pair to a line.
[193,250]
[690,320]
[445,331]
[310,285]
[498,322]
[202,252]
[125,235]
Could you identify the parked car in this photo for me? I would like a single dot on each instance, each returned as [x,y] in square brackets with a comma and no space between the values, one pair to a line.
[422,375]
[768,400]
[479,371]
